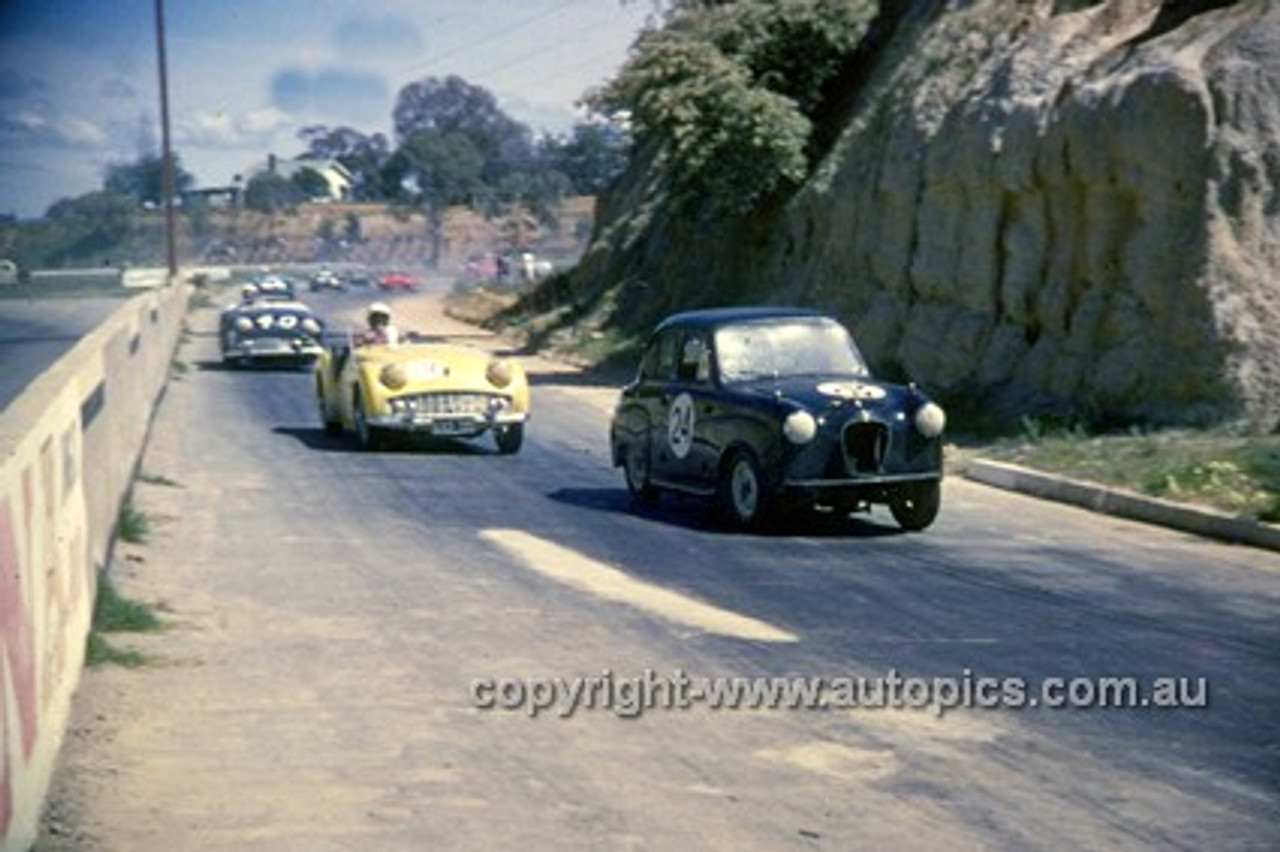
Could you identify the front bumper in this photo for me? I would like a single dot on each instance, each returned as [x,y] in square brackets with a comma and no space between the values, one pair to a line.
[272,350]
[851,493]
[447,425]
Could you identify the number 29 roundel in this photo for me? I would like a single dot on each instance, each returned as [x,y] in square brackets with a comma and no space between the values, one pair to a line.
[680,426]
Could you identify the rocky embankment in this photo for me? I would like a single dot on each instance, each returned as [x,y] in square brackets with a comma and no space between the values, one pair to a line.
[1030,206]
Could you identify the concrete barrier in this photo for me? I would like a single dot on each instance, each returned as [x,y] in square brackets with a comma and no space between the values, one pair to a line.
[69,445]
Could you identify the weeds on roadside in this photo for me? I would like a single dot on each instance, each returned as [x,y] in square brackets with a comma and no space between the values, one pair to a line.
[114,613]
[1232,473]
[132,525]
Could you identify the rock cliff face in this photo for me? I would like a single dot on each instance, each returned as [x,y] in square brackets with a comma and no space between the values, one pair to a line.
[1032,204]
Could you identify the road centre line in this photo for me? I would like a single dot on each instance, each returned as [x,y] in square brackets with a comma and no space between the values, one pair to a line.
[581,572]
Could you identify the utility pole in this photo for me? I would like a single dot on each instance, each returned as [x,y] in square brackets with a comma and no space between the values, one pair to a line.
[167,181]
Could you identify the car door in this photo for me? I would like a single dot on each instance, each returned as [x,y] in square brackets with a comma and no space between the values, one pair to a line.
[687,407]
[640,415]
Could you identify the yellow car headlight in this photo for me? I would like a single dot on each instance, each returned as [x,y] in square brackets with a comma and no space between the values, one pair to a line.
[500,373]
[394,376]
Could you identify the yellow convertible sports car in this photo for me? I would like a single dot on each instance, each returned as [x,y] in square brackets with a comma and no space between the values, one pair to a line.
[429,388]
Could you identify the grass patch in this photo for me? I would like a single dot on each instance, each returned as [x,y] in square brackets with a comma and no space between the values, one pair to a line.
[114,613]
[132,525]
[1236,474]
[99,652]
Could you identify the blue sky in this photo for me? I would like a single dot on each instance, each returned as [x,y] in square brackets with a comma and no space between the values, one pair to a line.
[79,90]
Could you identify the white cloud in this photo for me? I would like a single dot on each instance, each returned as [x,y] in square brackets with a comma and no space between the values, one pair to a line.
[224,130]
[79,132]
[26,127]
[266,120]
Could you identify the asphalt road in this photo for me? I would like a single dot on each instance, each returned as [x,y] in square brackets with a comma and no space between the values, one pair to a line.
[332,610]
[36,332]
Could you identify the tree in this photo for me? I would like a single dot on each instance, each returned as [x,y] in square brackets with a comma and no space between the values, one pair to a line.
[726,93]
[143,180]
[310,183]
[592,157]
[431,170]
[452,105]
[364,156]
[88,225]
[268,192]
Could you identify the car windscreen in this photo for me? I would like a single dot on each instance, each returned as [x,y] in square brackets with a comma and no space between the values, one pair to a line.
[274,323]
[775,349]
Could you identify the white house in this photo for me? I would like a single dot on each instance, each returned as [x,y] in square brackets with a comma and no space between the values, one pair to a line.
[334,173]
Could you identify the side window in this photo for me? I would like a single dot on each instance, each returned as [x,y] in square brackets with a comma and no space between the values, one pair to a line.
[648,362]
[695,359]
[659,363]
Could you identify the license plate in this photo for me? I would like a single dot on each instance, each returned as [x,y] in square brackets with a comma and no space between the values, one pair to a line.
[452,427]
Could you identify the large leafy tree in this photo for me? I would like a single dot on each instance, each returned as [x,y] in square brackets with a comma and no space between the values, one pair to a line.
[363,155]
[592,156]
[726,92]
[143,179]
[431,170]
[453,106]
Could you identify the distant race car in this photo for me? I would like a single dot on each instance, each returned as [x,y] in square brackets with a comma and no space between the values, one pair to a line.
[438,389]
[774,408]
[270,332]
[398,281]
[275,288]
[326,279]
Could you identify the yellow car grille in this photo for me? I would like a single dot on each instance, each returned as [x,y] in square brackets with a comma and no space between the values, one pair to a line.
[445,404]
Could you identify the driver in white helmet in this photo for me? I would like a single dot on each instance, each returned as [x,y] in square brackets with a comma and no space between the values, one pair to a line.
[380,329]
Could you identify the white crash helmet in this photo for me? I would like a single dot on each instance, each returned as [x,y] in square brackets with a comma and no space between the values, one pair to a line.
[248,291]
[379,309]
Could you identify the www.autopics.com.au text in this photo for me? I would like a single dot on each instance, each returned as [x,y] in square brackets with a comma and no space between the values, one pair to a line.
[633,695]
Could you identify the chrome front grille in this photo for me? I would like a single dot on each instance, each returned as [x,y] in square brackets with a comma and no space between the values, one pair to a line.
[447,404]
[865,447]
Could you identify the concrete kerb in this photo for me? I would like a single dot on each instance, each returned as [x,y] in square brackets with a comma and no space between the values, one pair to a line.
[1124,504]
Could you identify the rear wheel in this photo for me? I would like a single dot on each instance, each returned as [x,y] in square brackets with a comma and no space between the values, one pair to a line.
[741,492]
[916,505]
[639,472]
[509,438]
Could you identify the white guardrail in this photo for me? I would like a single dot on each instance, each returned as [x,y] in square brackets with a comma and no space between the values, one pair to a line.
[69,447]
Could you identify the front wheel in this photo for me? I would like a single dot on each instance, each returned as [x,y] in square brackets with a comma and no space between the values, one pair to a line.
[639,472]
[367,436]
[915,506]
[741,491]
[331,427]
[509,438]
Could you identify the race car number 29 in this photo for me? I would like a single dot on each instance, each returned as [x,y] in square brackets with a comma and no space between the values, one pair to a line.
[680,425]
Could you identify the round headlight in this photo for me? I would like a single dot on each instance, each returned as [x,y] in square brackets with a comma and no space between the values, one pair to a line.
[310,326]
[244,324]
[499,373]
[800,427]
[930,420]
[393,376]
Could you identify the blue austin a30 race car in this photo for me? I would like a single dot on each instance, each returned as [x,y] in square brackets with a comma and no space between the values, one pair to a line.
[774,408]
